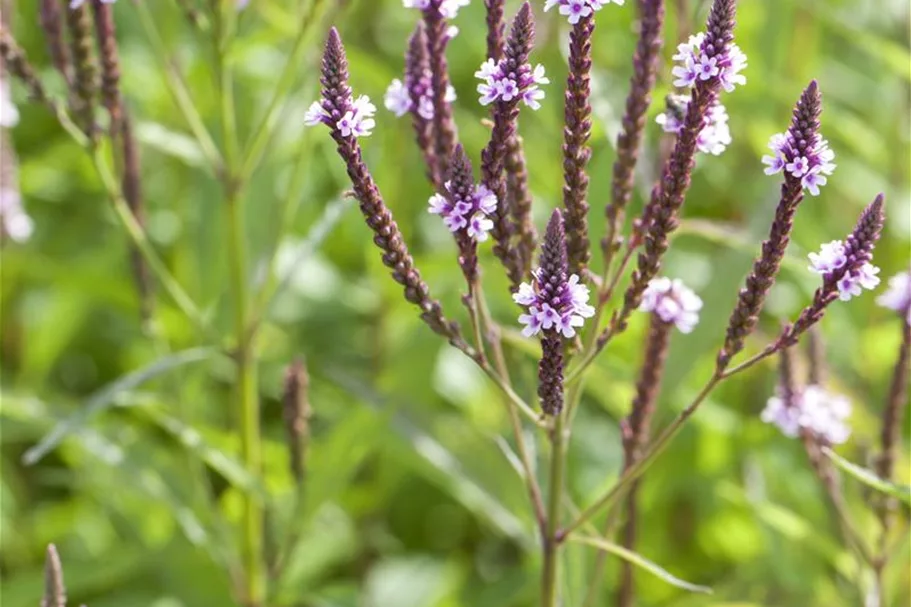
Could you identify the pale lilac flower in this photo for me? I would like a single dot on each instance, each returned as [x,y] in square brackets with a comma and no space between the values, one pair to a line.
[714,137]
[812,168]
[575,10]
[397,99]
[471,214]
[898,296]
[14,221]
[561,308]
[694,64]
[448,8]
[498,85]
[355,122]
[852,284]
[786,418]
[9,113]
[673,302]
[825,414]
[830,257]
[316,114]
[74,4]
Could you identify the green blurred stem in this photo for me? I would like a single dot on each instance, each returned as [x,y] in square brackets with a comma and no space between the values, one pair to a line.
[141,241]
[178,89]
[637,469]
[245,355]
[264,131]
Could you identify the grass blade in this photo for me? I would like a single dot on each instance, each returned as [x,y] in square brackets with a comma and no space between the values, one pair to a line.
[869,478]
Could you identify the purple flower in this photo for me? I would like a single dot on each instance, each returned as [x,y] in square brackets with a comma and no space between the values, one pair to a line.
[696,64]
[560,308]
[9,114]
[500,85]
[448,8]
[357,121]
[575,10]
[74,4]
[714,137]
[398,97]
[898,296]
[14,221]
[786,418]
[470,214]
[673,302]
[814,410]
[833,256]
[811,167]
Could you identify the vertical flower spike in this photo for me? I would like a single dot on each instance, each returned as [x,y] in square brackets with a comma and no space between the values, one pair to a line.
[52,24]
[54,589]
[110,62]
[845,268]
[347,119]
[419,98]
[438,36]
[551,281]
[642,82]
[465,209]
[576,131]
[660,216]
[496,28]
[519,199]
[804,131]
[898,295]
[505,84]
[671,304]
[715,135]
[131,185]
[296,413]
[86,78]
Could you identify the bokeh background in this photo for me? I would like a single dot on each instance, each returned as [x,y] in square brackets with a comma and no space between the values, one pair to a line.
[411,501]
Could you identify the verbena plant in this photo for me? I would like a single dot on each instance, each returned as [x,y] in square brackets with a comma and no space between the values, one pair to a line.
[573,306]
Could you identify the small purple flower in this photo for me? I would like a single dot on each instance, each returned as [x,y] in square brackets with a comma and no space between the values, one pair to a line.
[397,99]
[498,85]
[355,122]
[673,302]
[786,418]
[695,64]
[898,295]
[575,10]
[564,311]
[448,8]
[714,137]
[815,410]
[74,4]
[472,214]
[831,257]
[811,167]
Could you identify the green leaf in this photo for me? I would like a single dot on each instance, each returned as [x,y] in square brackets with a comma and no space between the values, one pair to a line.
[869,478]
[639,561]
[106,397]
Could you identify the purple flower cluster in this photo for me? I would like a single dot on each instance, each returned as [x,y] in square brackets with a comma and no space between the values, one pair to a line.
[833,256]
[356,122]
[898,296]
[575,10]
[696,64]
[673,302]
[558,307]
[398,96]
[74,4]
[502,85]
[448,8]
[811,168]
[470,214]
[714,137]
[820,412]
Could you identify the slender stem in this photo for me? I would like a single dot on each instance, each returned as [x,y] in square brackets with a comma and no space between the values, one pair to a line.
[141,242]
[654,450]
[549,581]
[178,89]
[517,400]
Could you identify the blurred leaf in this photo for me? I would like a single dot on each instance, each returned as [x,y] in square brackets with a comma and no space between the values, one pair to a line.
[639,561]
[106,397]
[869,478]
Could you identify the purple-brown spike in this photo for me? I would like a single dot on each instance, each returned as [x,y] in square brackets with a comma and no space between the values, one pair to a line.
[519,200]
[667,200]
[418,80]
[16,63]
[296,413]
[804,131]
[444,129]
[86,78]
[636,431]
[576,153]
[387,236]
[496,27]
[131,185]
[505,114]
[110,61]
[552,276]
[858,251]
[642,82]
[52,24]
[461,188]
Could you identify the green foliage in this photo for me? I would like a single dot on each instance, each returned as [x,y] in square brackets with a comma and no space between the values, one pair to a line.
[411,497]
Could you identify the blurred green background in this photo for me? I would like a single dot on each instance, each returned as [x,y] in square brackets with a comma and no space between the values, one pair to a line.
[411,500]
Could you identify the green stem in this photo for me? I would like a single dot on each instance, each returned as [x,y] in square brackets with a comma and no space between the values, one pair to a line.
[549,581]
[637,469]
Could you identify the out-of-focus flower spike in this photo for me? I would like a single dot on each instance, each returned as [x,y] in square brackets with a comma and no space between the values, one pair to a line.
[438,36]
[296,413]
[52,23]
[17,65]
[85,82]
[110,61]
[496,28]
[418,87]
[54,588]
